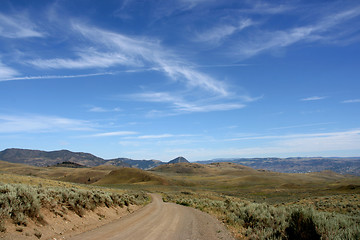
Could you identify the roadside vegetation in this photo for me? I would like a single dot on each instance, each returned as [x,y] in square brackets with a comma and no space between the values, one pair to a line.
[249,220]
[20,202]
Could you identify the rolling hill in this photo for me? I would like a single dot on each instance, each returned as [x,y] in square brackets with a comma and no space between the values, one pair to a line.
[232,178]
[131,176]
[102,175]
[285,165]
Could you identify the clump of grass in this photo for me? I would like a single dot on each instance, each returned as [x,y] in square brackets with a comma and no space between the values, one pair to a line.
[264,221]
[20,201]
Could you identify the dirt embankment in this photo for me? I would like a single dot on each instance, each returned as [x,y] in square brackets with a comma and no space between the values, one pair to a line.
[63,226]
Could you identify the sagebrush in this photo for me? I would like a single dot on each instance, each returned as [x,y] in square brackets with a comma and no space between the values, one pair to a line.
[20,201]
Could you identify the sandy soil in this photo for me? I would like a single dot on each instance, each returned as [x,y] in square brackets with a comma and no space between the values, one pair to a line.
[63,225]
[160,220]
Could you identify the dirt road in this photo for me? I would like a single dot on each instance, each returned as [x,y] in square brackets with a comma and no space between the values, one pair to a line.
[159,220]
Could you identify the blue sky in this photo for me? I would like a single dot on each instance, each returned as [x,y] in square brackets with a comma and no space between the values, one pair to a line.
[202,79]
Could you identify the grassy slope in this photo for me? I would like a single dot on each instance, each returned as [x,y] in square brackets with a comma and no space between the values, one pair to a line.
[100,175]
[76,175]
[237,180]
[131,176]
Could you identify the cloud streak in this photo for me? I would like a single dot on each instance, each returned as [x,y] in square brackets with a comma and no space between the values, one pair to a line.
[219,33]
[86,59]
[107,49]
[323,144]
[257,7]
[111,134]
[159,136]
[13,78]
[180,106]
[302,125]
[40,123]
[18,26]
[7,72]
[351,101]
[103,110]
[314,98]
[325,29]
[295,136]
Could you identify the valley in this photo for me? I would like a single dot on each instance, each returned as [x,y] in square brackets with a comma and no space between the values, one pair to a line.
[226,190]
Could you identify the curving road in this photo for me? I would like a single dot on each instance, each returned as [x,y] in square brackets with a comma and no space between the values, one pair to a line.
[159,220]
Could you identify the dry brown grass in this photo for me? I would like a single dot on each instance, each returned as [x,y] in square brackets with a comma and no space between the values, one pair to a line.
[131,176]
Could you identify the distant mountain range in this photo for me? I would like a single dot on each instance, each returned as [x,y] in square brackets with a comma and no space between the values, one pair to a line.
[43,158]
[65,158]
[350,165]
[343,165]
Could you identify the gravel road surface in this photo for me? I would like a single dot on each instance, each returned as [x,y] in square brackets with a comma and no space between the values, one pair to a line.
[161,221]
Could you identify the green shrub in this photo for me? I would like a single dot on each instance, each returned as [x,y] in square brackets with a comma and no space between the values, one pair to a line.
[301,227]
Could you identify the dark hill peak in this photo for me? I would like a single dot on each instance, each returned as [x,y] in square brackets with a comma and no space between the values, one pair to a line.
[178,160]
[45,158]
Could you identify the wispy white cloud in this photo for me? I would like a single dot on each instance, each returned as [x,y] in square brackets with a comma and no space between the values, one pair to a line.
[192,3]
[101,109]
[302,125]
[12,78]
[40,123]
[296,136]
[179,105]
[111,49]
[160,136]
[210,107]
[111,134]
[7,72]
[223,65]
[221,32]
[86,59]
[155,136]
[351,101]
[314,98]
[17,26]
[259,7]
[319,144]
[179,100]
[326,29]
[193,77]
